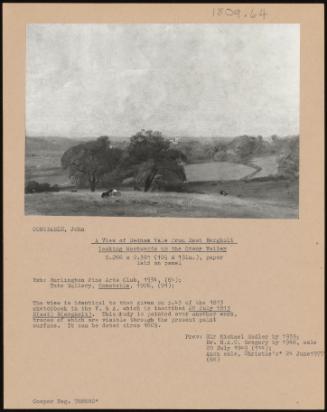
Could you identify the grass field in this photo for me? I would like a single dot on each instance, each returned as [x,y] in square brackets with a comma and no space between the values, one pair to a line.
[283,191]
[212,171]
[44,167]
[134,203]
[42,160]
[267,198]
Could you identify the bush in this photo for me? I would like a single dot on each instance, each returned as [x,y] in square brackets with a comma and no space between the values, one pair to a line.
[36,187]
[288,162]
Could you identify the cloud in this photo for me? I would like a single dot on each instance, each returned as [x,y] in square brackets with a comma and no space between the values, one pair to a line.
[189,79]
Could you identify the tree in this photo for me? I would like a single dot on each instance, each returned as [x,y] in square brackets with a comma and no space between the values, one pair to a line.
[147,144]
[288,162]
[35,187]
[91,160]
[152,154]
[245,148]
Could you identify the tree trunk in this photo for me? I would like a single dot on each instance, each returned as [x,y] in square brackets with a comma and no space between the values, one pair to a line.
[149,179]
[92,184]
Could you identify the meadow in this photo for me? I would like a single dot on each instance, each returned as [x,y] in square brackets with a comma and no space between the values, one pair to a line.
[156,204]
[213,171]
[219,171]
[264,196]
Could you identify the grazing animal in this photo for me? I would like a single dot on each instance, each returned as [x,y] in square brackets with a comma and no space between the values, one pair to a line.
[107,193]
[116,193]
[222,192]
[110,192]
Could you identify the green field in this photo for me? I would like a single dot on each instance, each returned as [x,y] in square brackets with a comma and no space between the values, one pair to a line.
[43,156]
[156,204]
[284,191]
[212,171]
[268,197]
[42,160]
[46,169]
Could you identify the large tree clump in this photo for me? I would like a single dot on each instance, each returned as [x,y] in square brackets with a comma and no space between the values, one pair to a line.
[147,144]
[246,147]
[88,162]
[153,164]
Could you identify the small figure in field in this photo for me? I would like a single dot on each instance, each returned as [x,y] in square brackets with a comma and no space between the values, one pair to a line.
[106,194]
[111,192]
[115,192]
[223,193]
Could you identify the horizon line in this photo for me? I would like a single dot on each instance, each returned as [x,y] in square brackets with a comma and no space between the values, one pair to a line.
[49,136]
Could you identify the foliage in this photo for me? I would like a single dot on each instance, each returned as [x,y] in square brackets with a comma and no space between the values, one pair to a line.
[245,147]
[36,187]
[88,162]
[147,144]
[288,162]
[150,159]
[241,149]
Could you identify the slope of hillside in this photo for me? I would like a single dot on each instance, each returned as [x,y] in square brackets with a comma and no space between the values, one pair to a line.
[131,203]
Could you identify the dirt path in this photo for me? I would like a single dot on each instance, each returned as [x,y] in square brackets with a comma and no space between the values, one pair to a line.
[256,168]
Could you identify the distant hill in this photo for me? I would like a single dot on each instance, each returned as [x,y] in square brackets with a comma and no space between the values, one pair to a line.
[61,144]
[35,144]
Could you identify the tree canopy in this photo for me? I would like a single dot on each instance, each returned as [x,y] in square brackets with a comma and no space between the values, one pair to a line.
[147,144]
[288,162]
[157,161]
[89,161]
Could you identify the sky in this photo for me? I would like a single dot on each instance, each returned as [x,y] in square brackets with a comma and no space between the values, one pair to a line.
[208,80]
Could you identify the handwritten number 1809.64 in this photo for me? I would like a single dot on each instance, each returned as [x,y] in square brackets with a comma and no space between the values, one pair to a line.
[229,12]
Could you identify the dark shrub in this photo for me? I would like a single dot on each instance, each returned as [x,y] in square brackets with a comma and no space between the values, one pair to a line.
[288,162]
[36,187]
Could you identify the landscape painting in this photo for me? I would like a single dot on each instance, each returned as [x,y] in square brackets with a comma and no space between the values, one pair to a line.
[162,120]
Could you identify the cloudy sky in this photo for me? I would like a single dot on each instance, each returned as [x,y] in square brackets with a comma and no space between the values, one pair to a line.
[187,79]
